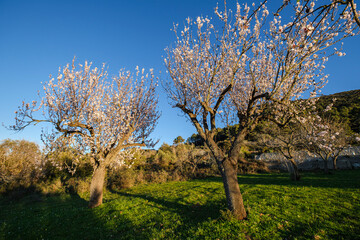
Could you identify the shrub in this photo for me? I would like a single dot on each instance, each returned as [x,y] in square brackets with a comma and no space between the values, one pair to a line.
[120,178]
[23,166]
[66,163]
[20,164]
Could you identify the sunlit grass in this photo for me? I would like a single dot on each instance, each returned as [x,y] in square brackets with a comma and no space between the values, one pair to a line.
[318,207]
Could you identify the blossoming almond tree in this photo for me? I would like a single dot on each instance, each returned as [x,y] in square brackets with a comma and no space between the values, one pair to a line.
[324,137]
[328,8]
[227,70]
[94,115]
[284,139]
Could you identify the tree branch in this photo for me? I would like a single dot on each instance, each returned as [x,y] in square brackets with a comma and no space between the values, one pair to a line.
[193,119]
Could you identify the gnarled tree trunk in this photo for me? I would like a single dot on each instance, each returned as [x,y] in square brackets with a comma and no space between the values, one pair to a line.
[232,190]
[294,171]
[326,169]
[97,185]
[228,169]
[334,162]
[325,158]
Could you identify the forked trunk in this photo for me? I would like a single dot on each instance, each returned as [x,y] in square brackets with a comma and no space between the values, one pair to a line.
[97,186]
[232,190]
[325,158]
[334,162]
[228,168]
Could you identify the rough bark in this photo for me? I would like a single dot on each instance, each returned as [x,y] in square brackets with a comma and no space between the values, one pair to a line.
[326,169]
[294,172]
[334,162]
[228,169]
[97,186]
[232,190]
[227,164]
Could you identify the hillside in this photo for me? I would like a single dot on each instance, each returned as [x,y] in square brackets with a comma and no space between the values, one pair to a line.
[346,107]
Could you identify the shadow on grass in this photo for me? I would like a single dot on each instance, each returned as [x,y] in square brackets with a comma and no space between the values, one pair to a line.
[56,216]
[66,216]
[188,212]
[336,179]
[319,230]
[190,215]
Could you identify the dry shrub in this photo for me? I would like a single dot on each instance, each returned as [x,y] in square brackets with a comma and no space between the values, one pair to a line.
[76,185]
[177,176]
[183,161]
[20,164]
[67,163]
[140,177]
[170,163]
[120,179]
[22,168]
[51,187]
[158,177]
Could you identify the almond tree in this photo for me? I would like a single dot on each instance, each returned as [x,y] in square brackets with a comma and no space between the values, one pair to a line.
[328,8]
[228,70]
[284,139]
[324,137]
[98,117]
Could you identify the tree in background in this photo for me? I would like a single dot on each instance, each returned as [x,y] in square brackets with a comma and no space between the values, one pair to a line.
[284,139]
[95,116]
[229,70]
[178,140]
[195,139]
[324,137]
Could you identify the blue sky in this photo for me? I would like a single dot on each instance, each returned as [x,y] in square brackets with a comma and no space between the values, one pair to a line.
[36,37]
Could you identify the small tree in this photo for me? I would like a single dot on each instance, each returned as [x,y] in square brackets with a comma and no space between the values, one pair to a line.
[195,139]
[178,140]
[95,116]
[232,71]
[284,139]
[324,137]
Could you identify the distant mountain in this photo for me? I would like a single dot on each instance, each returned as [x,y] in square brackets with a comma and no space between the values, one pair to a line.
[346,107]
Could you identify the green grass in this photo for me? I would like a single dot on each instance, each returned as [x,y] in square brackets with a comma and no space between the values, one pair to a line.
[318,207]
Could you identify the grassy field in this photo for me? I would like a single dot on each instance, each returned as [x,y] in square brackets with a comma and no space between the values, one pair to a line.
[318,207]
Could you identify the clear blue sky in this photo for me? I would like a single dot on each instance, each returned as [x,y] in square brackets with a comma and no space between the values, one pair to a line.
[36,37]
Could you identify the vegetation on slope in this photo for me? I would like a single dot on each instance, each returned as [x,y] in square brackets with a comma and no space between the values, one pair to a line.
[346,108]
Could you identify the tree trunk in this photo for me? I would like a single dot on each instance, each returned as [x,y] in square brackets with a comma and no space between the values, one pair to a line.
[334,162]
[232,189]
[227,166]
[97,186]
[326,169]
[294,172]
